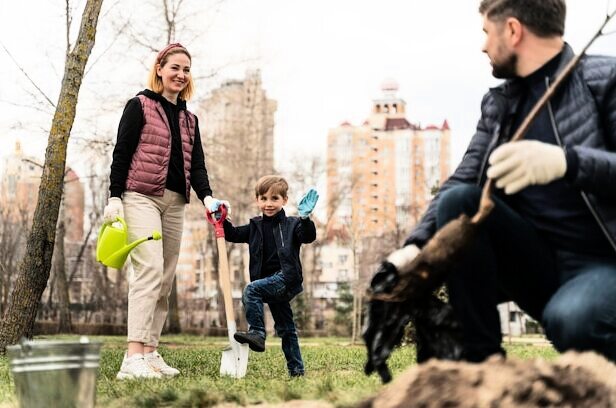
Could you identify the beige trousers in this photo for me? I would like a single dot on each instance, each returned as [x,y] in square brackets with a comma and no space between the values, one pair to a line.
[153,262]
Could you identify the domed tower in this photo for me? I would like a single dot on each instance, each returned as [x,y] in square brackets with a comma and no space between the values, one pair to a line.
[389,103]
[388,111]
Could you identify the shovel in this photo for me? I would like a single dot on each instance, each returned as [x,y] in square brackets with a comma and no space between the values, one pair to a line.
[234,361]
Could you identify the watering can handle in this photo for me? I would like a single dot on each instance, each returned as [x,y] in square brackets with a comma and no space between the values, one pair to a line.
[217,223]
[108,223]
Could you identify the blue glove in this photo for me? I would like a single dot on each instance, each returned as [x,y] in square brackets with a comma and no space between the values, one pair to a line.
[307,203]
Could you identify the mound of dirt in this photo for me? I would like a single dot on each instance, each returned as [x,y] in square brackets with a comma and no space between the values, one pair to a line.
[574,380]
[288,404]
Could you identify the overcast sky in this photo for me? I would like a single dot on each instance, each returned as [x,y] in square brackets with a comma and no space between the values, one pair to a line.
[322,60]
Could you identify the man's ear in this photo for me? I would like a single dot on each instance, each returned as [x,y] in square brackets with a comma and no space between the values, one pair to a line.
[513,30]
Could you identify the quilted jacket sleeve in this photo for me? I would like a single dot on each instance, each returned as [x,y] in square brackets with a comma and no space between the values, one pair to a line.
[596,168]
[467,172]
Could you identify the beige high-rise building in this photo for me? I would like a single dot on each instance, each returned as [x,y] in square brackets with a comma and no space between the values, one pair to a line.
[19,187]
[19,184]
[381,175]
[237,129]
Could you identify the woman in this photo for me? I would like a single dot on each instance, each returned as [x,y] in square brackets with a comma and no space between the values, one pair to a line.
[157,158]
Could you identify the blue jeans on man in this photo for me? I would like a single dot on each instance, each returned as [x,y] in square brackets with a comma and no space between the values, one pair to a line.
[572,295]
[273,291]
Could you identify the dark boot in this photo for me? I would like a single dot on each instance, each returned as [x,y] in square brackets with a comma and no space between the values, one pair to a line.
[255,342]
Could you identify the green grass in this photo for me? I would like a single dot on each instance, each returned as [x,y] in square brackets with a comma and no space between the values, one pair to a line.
[334,372]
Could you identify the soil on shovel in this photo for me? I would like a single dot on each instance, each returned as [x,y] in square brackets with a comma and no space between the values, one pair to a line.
[573,380]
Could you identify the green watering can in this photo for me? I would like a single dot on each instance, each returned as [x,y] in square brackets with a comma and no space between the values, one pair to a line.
[112,249]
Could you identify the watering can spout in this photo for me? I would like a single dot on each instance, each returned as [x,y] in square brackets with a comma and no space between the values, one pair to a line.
[112,249]
[155,236]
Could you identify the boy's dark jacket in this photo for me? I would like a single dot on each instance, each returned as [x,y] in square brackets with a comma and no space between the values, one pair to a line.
[289,234]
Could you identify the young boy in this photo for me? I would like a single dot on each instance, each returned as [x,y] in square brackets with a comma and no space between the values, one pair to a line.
[274,241]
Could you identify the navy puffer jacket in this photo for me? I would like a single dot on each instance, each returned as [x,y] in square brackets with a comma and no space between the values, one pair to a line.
[584,119]
[289,234]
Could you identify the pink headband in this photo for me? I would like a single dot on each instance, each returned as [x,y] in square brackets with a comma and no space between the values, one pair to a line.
[165,50]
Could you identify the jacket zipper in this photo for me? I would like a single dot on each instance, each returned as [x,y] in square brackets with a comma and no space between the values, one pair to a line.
[493,143]
[584,195]
[495,138]
[281,237]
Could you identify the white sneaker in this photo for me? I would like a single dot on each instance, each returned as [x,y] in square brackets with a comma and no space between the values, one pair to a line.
[134,367]
[157,363]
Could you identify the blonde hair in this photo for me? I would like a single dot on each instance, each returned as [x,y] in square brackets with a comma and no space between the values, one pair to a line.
[278,185]
[155,82]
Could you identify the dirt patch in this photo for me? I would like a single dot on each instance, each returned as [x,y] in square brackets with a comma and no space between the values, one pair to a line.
[288,404]
[573,380]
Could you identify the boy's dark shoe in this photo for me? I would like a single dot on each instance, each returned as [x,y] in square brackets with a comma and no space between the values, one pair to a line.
[255,342]
[296,374]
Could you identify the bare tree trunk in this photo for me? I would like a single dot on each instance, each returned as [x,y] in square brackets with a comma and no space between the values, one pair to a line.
[59,266]
[355,292]
[360,307]
[19,318]
[13,226]
[82,249]
[354,312]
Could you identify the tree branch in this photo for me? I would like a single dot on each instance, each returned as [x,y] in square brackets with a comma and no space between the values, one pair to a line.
[27,76]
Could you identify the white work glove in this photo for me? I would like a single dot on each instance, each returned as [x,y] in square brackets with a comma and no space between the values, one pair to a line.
[398,262]
[212,204]
[112,210]
[517,165]
[402,258]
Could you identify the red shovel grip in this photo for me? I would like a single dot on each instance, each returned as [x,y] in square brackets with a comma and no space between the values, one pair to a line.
[217,222]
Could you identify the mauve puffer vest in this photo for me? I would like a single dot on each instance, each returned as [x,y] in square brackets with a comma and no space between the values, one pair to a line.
[147,173]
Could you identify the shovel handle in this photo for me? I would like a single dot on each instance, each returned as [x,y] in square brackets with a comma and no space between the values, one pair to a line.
[217,222]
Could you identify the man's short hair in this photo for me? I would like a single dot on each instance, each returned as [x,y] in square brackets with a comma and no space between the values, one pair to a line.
[278,185]
[545,18]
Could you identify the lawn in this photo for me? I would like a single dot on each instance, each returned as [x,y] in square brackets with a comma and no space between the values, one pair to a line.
[334,372]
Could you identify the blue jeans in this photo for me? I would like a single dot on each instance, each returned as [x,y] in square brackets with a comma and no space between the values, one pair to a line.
[572,295]
[273,291]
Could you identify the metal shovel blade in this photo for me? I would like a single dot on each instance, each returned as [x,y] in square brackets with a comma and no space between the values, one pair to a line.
[234,361]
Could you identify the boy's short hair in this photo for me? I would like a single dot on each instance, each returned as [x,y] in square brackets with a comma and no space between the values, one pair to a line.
[278,185]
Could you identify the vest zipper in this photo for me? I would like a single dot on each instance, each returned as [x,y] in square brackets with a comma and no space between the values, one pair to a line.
[583,194]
